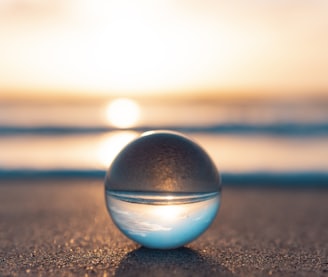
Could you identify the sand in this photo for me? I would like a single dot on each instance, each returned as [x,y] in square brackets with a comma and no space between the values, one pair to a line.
[62,228]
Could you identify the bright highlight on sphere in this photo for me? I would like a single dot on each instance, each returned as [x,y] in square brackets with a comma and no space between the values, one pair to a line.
[123,112]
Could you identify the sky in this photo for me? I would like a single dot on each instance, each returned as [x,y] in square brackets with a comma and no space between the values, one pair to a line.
[131,48]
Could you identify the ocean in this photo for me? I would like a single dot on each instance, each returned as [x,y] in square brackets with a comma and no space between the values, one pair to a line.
[252,143]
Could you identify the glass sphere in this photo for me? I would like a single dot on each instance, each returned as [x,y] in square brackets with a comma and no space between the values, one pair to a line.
[162,190]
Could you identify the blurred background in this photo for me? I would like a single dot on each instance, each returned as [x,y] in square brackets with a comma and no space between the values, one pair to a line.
[248,80]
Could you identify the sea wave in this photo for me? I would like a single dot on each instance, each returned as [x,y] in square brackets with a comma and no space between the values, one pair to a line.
[283,129]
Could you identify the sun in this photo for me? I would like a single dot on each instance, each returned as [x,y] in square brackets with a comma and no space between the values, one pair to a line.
[123,113]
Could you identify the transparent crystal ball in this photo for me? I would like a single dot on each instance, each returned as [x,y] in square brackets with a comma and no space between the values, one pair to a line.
[162,190]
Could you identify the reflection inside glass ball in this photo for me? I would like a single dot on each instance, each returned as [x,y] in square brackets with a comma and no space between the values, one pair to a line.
[162,190]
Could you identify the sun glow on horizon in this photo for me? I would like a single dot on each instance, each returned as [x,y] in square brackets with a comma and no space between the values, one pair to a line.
[111,145]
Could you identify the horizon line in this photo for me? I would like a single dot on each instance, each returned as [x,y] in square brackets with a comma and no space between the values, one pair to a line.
[287,179]
[189,96]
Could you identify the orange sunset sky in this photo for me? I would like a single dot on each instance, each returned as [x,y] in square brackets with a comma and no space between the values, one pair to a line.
[133,48]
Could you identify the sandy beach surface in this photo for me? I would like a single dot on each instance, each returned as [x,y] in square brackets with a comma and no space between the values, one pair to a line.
[61,228]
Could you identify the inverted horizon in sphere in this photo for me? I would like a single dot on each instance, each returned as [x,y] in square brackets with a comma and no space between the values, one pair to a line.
[163,226]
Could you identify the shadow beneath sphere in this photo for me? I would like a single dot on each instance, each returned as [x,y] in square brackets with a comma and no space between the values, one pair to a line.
[178,262]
